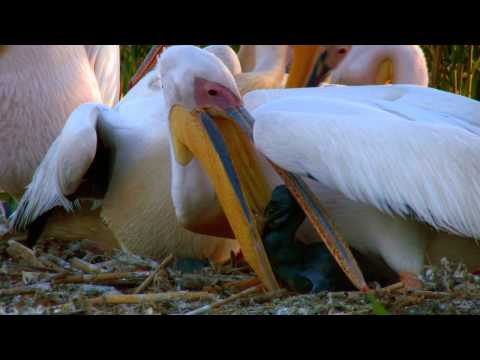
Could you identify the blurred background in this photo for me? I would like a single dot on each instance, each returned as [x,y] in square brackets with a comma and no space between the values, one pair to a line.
[453,68]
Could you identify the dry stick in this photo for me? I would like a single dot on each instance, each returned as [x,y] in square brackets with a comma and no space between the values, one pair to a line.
[243,284]
[387,289]
[19,251]
[430,294]
[100,278]
[232,298]
[51,265]
[239,285]
[150,298]
[22,290]
[272,295]
[150,278]
[84,266]
[58,261]
[392,288]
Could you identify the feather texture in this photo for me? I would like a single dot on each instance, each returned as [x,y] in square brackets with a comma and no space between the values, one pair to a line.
[412,154]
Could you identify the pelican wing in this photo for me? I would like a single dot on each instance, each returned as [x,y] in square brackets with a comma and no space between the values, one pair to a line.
[403,158]
[62,170]
[105,62]
[443,106]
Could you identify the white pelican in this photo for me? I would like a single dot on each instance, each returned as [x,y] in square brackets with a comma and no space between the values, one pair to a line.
[246,55]
[228,57]
[385,161]
[121,156]
[39,87]
[152,230]
[123,149]
[255,67]
[377,64]
[263,67]
[359,65]
[394,165]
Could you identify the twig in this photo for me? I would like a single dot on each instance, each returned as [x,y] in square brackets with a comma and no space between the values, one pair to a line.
[150,298]
[56,262]
[22,290]
[150,278]
[392,288]
[272,295]
[430,294]
[101,278]
[51,265]
[243,284]
[232,298]
[19,251]
[84,266]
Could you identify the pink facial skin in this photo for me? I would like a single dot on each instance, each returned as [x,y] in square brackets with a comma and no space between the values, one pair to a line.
[208,94]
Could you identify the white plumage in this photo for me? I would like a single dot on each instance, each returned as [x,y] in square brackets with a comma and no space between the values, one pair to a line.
[133,141]
[376,151]
[378,64]
[39,87]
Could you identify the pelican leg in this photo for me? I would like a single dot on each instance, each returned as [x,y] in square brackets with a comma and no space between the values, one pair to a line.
[410,280]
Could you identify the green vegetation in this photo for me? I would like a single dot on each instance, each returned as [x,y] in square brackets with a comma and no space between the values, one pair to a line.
[131,58]
[455,68]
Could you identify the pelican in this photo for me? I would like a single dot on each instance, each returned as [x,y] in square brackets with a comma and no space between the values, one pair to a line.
[246,55]
[153,229]
[376,64]
[395,166]
[121,157]
[228,57]
[39,87]
[263,67]
[120,161]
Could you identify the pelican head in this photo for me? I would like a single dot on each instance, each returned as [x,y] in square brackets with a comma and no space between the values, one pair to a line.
[203,103]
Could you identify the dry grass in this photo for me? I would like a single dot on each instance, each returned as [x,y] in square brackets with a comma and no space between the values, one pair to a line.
[231,289]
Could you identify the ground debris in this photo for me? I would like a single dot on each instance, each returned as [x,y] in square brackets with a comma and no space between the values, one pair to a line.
[75,278]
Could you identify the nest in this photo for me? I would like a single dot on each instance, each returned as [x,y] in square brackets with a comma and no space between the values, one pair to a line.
[77,278]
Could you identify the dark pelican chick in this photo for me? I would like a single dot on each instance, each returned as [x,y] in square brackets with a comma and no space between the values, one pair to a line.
[302,268]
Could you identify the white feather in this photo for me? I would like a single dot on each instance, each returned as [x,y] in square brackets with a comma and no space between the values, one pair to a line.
[62,169]
[400,157]
[105,62]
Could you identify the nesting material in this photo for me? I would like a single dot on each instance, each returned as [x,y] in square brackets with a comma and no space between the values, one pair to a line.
[82,280]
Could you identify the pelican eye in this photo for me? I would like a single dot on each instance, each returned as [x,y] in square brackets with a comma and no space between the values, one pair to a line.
[342,51]
[212,92]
